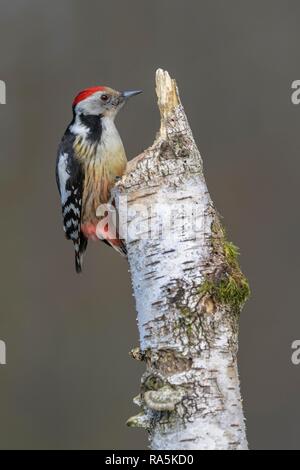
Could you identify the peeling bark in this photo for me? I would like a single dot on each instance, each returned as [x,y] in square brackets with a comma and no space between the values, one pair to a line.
[188,288]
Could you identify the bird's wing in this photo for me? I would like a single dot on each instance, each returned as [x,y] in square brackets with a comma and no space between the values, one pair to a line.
[69,178]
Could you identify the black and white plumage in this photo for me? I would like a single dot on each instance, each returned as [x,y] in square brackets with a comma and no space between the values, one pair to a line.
[90,158]
[70,180]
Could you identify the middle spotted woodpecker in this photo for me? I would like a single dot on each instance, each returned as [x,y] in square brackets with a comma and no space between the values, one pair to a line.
[90,159]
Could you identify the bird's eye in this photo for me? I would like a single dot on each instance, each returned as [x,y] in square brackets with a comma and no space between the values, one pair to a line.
[104,98]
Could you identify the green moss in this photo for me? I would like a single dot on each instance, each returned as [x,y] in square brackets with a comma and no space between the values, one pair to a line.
[231,252]
[229,290]
[228,285]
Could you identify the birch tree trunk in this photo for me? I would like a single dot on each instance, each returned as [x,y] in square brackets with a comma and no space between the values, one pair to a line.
[189,291]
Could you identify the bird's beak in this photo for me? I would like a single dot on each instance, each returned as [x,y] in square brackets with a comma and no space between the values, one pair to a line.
[129,94]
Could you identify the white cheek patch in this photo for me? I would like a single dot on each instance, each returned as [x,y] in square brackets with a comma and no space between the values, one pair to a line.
[91,105]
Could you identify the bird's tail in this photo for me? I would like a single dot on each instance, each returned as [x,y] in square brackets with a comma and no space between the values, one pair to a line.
[79,251]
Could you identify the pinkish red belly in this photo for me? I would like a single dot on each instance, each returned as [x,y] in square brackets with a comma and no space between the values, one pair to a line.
[89,231]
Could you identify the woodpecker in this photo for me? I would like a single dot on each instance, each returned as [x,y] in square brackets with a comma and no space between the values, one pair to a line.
[90,159]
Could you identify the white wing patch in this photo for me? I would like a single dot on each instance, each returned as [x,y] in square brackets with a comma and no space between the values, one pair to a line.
[63,176]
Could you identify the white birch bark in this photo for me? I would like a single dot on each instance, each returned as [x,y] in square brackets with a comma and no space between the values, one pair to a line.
[188,290]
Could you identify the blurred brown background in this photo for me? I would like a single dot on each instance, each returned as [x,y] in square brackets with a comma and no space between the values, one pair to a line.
[69,381]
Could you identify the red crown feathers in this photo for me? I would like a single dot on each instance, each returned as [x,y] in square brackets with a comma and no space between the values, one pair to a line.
[86,93]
